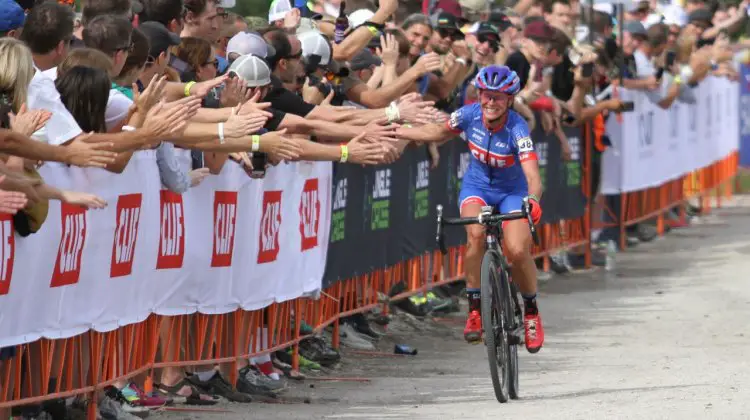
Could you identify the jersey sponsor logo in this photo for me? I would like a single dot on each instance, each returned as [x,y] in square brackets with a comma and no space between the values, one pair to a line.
[309,214]
[492,160]
[270,223]
[172,231]
[525,145]
[7,252]
[126,234]
[455,119]
[68,263]
[225,218]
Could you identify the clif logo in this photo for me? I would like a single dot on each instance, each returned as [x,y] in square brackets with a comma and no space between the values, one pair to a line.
[172,236]
[225,216]
[309,214]
[270,222]
[68,262]
[126,234]
[7,252]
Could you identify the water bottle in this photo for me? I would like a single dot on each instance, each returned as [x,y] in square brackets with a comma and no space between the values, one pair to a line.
[341,25]
[609,264]
[404,349]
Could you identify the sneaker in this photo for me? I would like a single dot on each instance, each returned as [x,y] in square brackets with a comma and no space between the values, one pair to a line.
[304,363]
[533,332]
[253,382]
[217,385]
[473,330]
[351,338]
[137,397]
[126,405]
[317,350]
[111,409]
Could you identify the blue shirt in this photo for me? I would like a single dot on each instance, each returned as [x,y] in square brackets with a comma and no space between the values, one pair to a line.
[496,155]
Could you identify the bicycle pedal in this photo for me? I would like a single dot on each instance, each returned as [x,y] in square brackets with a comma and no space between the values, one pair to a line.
[516,336]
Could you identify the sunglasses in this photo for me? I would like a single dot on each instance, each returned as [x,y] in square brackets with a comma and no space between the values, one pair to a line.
[492,40]
[447,33]
[214,63]
[295,56]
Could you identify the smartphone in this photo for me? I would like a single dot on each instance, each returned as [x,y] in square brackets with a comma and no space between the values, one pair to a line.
[659,73]
[259,161]
[587,70]
[670,58]
[628,106]
[178,64]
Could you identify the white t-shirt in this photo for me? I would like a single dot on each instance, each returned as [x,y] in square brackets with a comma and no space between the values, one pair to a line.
[61,127]
[117,104]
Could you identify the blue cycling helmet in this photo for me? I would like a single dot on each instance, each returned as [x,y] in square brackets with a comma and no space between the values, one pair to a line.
[498,79]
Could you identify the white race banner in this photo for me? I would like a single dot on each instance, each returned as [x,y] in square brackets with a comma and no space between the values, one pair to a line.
[232,242]
[653,145]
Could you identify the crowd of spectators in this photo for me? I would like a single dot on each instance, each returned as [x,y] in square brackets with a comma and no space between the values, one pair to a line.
[89,85]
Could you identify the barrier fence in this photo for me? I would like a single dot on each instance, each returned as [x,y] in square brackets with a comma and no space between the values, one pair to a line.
[159,280]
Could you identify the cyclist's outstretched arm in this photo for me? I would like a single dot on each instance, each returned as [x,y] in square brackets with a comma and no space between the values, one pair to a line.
[429,133]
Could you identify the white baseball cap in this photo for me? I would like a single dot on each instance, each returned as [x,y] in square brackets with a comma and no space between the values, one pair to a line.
[674,15]
[252,69]
[314,43]
[279,9]
[244,43]
[359,17]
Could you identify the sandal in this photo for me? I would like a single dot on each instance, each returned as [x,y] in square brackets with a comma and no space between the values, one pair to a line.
[195,397]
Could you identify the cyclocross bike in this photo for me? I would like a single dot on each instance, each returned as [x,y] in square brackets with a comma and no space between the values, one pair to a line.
[502,315]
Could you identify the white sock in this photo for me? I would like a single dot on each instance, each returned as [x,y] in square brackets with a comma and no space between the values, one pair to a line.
[206,375]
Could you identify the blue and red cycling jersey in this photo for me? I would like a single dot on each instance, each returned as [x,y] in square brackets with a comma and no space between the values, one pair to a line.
[494,176]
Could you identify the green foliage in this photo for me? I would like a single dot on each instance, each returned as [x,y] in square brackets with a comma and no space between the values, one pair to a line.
[252,8]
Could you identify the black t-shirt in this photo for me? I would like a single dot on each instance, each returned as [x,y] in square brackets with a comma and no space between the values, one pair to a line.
[274,122]
[284,100]
[76,42]
[518,63]
[563,80]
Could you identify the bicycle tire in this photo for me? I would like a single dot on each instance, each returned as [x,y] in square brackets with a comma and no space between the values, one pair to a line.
[495,337]
[516,322]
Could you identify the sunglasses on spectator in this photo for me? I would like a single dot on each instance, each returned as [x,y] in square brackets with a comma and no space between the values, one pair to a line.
[295,56]
[446,33]
[492,40]
[214,63]
[129,48]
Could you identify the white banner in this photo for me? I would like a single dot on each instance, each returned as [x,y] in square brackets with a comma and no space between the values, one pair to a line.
[652,145]
[232,242]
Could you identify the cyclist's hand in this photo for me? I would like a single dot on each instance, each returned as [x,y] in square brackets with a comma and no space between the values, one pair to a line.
[536,210]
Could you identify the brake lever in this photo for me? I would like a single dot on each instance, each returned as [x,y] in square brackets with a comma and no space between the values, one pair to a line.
[439,237]
[532,227]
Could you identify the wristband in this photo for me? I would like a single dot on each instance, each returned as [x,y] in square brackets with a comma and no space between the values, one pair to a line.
[188,85]
[392,112]
[221,133]
[373,30]
[256,142]
[677,80]
[533,197]
[344,153]
[462,60]
[128,128]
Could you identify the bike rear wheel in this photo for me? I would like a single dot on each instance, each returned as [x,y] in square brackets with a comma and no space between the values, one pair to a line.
[494,323]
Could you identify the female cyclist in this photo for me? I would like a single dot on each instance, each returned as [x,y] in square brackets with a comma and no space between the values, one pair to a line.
[502,172]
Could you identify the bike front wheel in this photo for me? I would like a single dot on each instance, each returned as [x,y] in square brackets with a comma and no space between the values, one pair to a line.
[494,324]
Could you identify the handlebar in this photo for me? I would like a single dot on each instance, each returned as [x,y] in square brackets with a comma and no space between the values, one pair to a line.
[483,219]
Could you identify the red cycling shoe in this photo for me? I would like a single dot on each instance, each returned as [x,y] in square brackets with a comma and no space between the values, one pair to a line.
[473,330]
[533,332]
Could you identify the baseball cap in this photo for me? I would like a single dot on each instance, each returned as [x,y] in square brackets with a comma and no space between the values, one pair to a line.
[278,9]
[315,48]
[12,15]
[700,15]
[252,69]
[634,27]
[487,28]
[674,15]
[501,20]
[652,19]
[473,7]
[444,20]
[364,60]
[449,6]
[244,43]
[360,16]
[539,30]
[159,37]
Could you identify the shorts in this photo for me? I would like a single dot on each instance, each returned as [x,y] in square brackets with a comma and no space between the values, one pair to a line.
[504,201]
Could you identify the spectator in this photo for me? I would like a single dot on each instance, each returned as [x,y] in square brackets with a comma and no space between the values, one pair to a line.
[201,20]
[534,50]
[160,40]
[13,17]
[127,9]
[558,14]
[232,24]
[166,12]
[418,32]
[245,43]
